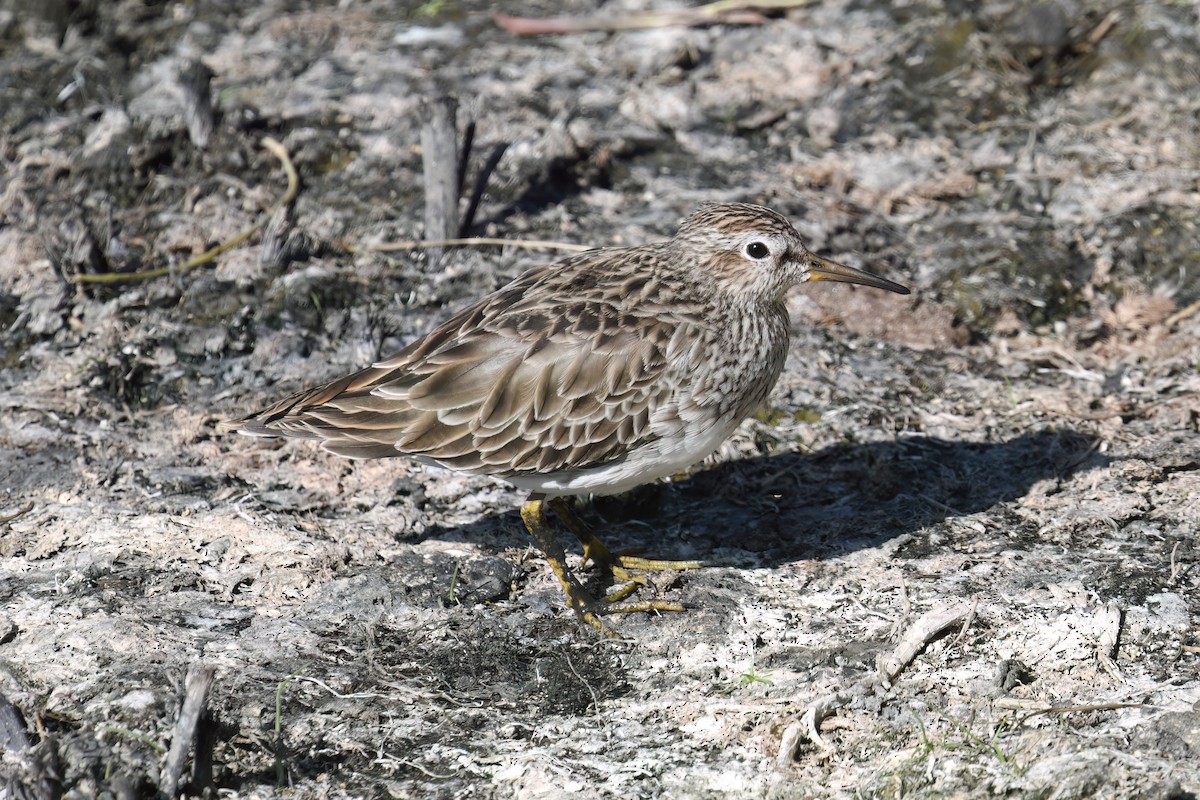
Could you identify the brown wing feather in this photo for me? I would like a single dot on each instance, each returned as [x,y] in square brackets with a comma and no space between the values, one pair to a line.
[557,370]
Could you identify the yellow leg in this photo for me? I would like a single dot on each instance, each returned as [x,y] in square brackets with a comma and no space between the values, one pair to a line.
[533,514]
[595,551]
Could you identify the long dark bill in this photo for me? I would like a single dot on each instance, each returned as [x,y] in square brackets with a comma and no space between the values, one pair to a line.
[821,269]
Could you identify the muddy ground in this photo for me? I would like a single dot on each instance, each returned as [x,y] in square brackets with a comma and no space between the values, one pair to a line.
[956,556]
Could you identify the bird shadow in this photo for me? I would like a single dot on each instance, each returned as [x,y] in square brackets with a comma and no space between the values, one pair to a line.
[791,506]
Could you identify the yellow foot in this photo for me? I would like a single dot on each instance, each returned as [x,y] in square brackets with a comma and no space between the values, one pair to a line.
[587,608]
[641,605]
[595,550]
[621,565]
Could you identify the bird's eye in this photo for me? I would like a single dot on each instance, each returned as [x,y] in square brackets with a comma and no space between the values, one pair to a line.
[757,250]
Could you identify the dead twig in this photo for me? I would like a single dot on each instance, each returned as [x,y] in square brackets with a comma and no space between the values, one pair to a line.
[816,712]
[966,626]
[789,743]
[429,773]
[924,630]
[187,730]
[1176,568]
[276,149]
[724,12]
[1182,314]
[464,158]
[1074,709]
[20,512]
[442,168]
[1099,32]
[472,241]
[927,628]
[481,181]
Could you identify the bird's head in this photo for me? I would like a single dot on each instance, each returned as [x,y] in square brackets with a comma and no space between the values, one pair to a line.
[755,253]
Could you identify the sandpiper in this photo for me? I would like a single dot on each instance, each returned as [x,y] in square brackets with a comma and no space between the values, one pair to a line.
[592,375]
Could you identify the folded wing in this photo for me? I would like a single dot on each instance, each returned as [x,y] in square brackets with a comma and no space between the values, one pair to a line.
[495,390]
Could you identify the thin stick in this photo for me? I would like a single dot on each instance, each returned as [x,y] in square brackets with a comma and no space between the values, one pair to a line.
[474,241]
[276,149]
[481,182]
[195,700]
[1074,709]
[25,509]
[1182,314]
[441,168]
[464,156]
[927,628]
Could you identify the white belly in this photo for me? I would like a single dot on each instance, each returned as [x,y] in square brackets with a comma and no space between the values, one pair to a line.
[661,458]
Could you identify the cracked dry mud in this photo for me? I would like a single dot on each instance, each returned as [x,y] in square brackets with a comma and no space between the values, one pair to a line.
[954,556]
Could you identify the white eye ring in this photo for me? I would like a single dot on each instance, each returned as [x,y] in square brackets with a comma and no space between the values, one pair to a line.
[757,250]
